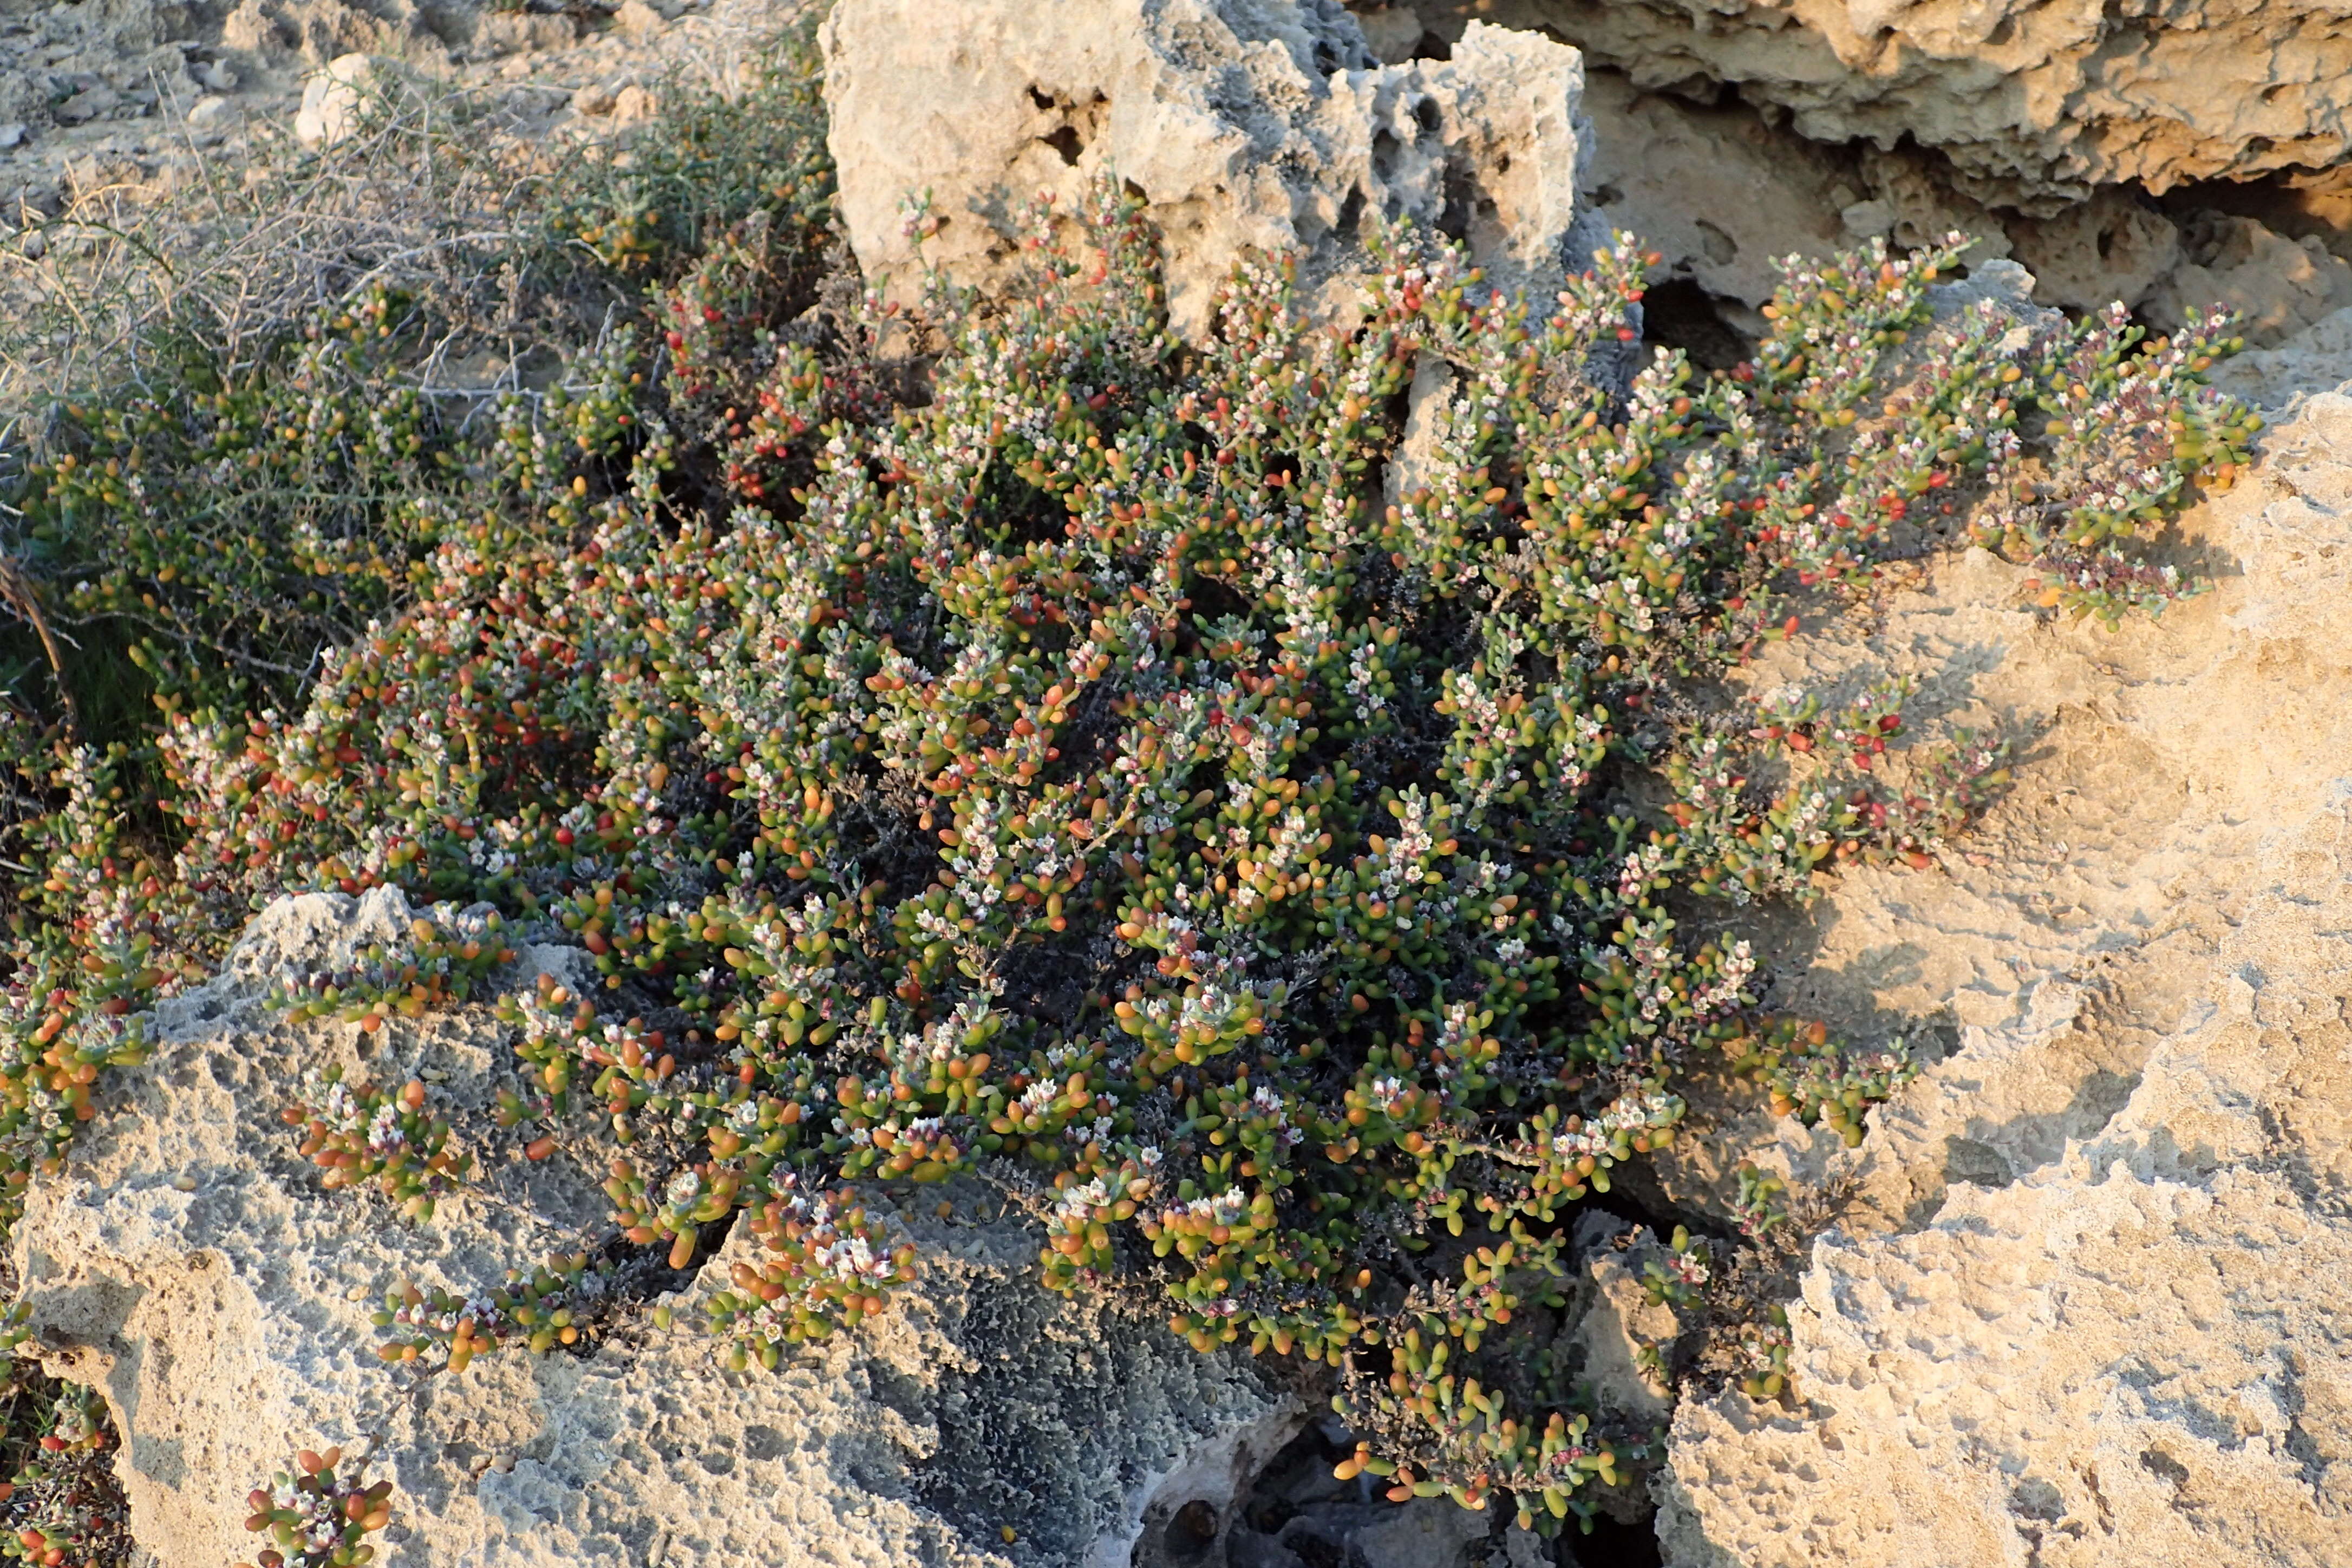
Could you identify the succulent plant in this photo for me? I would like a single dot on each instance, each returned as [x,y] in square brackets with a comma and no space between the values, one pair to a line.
[314,1519]
[1296,860]
[376,1135]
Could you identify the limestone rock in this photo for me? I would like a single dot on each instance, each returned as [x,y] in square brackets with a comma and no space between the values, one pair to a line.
[1714,190]
[2100,1369]
[2089,1307]
[1925,206]
[333,100]
[315,33]
[2110,247]
[2276,286]
[2032,103]
[189,1266]
[642,19]
[1616,1321]
[211,112]
[2318,359]
[1249,125]
[523,32]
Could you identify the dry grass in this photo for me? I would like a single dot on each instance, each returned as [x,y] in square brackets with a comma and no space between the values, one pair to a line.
[442,195]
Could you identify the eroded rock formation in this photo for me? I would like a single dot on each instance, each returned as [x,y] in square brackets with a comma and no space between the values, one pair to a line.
[191,1267]
[1248,127]
[2085,1303]
[2033,104]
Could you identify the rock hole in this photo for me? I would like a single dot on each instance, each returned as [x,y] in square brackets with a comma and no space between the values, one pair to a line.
[1461,201]
[1720,247]
[1432,117]
[1614,1543]
[1192,1533]
[1698,88]
[1065,143]
[1041,98]
[1978,1163]
[1295,1510]
[1679,314]
[1351,215]
[2033,1497]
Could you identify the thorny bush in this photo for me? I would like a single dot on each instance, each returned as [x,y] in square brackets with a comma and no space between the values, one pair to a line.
[1293,861]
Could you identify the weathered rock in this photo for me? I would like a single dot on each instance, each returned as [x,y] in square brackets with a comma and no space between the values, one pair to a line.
[2111,247]
[1287,1511]
[190,1267]
[314,32]
[1716,191]
[1249,125]
[212,113]
[2032,103]
[1616,1322]
[2318,359]
[335,98]
[2276,286]
[2089,1305]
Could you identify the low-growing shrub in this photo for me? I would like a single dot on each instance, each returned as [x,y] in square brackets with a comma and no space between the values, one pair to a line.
[233,439]
[1296,861]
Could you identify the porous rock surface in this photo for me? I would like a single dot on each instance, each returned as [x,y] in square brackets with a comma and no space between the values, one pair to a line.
[2090,1298]
[1248,125]
[2032,103]
[2316,359]
[189,1266]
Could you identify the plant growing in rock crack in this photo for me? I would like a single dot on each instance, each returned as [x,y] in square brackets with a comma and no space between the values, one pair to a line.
[61,1505]
[537,1309]
[1299,868]
[1093,780]
[372,1134]
[315,1518]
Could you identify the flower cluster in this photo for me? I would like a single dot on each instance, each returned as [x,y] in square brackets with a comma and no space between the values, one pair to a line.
[448,952]
[1766,1347]
[2123,445]
[313,1519]
[537,1309]
[825,1265]
[1682,1274]
[371,1134]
